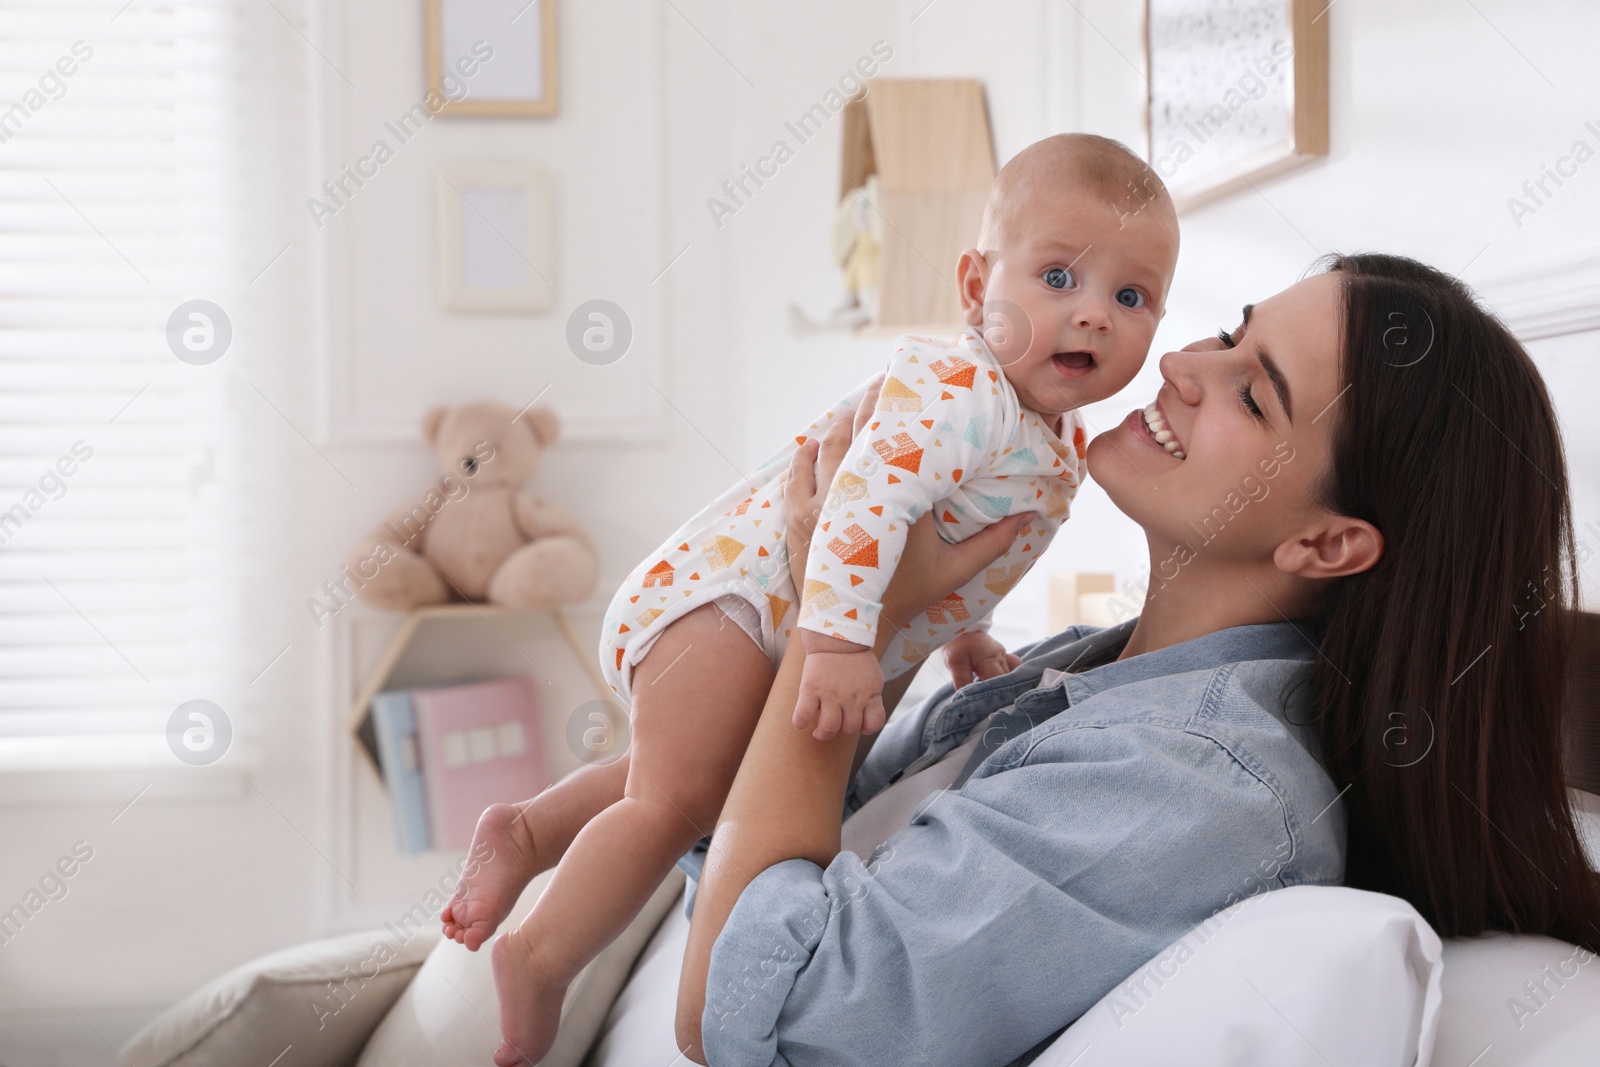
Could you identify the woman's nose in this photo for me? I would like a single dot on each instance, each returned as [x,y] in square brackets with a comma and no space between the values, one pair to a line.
[1181,370]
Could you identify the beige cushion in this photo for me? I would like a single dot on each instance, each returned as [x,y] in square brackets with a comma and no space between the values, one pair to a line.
[319,1001]
[449,1015]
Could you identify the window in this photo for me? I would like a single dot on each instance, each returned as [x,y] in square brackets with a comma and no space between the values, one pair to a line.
[120,193]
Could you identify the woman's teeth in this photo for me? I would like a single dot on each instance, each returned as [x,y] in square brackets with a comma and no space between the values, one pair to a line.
[1158,429]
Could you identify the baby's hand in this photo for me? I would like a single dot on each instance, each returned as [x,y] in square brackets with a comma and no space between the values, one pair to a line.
[975,653]
[841,691]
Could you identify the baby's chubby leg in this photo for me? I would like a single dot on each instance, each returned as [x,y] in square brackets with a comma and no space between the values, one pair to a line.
[696,697]
[514,843]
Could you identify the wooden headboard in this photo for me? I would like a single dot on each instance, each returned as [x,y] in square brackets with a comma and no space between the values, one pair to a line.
[1582,723]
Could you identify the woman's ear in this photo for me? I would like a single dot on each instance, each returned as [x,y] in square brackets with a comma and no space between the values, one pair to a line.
[972,278]
[1338,546]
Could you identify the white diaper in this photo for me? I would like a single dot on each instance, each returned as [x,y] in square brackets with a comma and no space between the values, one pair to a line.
[744,613]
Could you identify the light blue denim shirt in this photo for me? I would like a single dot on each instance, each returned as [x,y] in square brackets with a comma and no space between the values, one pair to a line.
[1098,819]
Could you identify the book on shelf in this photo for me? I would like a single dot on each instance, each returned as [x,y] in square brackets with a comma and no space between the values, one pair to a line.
[454,750]
[395,724]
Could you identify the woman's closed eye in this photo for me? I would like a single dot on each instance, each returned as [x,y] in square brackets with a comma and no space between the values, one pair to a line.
[1247,399]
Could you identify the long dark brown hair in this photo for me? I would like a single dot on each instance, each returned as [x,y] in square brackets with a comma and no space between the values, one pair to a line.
[1440,684]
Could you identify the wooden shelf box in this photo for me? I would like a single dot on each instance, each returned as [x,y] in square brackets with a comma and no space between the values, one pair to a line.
[928,141]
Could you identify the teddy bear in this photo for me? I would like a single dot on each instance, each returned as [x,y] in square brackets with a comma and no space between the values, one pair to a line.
[477,534]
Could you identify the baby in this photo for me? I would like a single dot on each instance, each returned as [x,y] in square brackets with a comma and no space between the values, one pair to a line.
[1061,298]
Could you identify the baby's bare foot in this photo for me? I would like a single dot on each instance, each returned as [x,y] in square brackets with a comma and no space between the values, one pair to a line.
[530,1003]
[489,888]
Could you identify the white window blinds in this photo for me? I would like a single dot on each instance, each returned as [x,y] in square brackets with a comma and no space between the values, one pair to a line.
[117,538]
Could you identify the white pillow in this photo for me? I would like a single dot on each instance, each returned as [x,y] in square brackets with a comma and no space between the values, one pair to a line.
[449,1015]
[258,1010]
[1298,977]
[1534,1000]
[1322,956]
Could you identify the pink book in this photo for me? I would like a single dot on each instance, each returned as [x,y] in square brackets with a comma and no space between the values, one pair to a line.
[480,746]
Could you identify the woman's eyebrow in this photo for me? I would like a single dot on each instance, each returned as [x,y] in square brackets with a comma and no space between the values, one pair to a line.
[1280,384]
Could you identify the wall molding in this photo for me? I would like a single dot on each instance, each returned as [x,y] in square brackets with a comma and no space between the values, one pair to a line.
[1552,297]
[638,416]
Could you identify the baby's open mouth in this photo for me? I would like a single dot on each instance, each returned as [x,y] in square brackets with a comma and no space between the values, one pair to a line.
[1073,363]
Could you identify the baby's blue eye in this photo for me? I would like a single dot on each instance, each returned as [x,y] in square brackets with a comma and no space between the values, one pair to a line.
[1130,298]
[1059,278]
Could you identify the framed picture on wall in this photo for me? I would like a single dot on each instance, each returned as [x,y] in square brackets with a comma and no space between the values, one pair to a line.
[1238,90]
[493,57]
[495,238]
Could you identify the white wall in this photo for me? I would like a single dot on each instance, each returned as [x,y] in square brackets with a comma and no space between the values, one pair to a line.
[1437,119]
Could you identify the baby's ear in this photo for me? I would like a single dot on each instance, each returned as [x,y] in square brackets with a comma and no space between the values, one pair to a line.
[972,279]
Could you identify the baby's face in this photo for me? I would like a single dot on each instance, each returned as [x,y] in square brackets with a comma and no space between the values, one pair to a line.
[1073,297]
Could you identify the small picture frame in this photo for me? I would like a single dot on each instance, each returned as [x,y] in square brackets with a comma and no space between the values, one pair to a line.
[1238,91]
[495,238]
[493,57]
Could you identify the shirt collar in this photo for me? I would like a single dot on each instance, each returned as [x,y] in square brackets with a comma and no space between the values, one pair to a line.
[1272,640]
[956,713]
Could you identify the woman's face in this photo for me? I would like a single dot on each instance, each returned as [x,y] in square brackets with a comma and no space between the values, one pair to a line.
[1250,418]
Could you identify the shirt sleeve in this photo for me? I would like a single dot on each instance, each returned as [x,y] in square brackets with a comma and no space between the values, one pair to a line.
[933,428]
[1004,911]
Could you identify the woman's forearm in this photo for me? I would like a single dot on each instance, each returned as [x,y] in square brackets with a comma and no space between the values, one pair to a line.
[786,802]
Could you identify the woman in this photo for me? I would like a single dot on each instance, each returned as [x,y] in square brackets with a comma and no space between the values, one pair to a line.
[1338,675]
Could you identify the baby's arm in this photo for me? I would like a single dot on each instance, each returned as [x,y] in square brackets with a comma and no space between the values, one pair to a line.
[932,429]
[841,687]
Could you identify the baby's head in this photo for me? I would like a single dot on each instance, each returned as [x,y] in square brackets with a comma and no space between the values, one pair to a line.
[1070,275]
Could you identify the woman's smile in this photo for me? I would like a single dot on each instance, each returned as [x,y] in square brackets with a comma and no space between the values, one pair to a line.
[1150,425]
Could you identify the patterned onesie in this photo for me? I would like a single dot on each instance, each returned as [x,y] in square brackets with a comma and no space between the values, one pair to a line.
[949,434]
